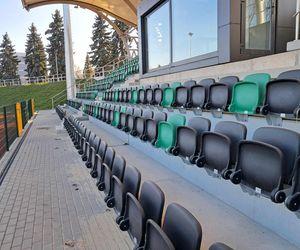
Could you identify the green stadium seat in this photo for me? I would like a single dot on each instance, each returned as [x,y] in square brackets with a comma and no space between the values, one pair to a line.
[167,131]
[134,96]
[169,95]
[116,119]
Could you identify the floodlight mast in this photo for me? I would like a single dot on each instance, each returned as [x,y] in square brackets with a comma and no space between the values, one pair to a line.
[70,76]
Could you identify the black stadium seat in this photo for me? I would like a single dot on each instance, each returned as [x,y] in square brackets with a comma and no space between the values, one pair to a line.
[219,246]
[92,151]
[84,139]
[260,166]
[198,97]
[206,83]
[131,120]
[87,146]
[131,184]
[183,93]
[137,212]
[182,228]
[140,123]
[150,93]
[293,200]
[142,95]
[156,238]
[188,139]
[290,74]
[108,160]
[123,117]
[151,127]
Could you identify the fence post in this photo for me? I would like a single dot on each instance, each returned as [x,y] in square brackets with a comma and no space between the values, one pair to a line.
[5,128]
[19,119]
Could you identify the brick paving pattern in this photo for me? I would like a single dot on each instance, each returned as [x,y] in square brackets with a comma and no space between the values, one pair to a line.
[48,199]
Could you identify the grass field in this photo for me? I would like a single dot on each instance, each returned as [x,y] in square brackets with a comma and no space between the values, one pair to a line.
[41,93]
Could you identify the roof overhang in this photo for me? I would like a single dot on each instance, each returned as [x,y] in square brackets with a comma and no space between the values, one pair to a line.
[124,10]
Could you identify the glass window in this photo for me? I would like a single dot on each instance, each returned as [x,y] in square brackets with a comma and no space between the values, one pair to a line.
[158,37]
[258,24]
[195,28]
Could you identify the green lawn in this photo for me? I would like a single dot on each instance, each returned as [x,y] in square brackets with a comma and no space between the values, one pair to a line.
[41,93]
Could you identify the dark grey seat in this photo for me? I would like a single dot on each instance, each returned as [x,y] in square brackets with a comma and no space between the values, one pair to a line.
[142,95]
[99,156]
[131,184]
[84,139]
[260,165]
[108,160]
[282,97]
[118,168]
[206,83]
[293,200]
[188,138]
[137,212]
[287,141]
[141,121]
[156,238]
[158,94]
[123,117]
[198,97]
[124,95]
[131,120]
[87,146]
[109,115]
[182,228]
[183,94]
[92,150]
[151,127]
[219,246]
[290,74]
[150,93]
[219,97]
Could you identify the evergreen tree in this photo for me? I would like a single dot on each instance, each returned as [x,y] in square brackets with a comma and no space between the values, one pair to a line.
[117,45]
[88,70]
[56,47]
[100,48]
[35,56]
[8,60]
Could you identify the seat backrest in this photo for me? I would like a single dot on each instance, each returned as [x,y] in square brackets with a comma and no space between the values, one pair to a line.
[229,80]
[198,96]
[158,93]
[156,238]
[160,116]
[109,157]
[200,124]
[189,84]
[261,79]
[147,114]
[129,110]
[219,246]
[102,148]
[283,96]
[245,97]
[236,132]
[174,85]
[96,142]
[186,141]
[177,120]
[168,97]
[287,141]
[182,228]
[137,112]
[218,96]
[261,165]
[131,180]
[291,74]
[152,200]
[206,83]
[118,167]
[182,93]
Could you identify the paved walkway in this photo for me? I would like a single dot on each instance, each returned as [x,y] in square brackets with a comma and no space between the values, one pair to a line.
[48,199]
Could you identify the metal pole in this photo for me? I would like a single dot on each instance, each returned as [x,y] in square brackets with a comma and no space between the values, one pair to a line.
[70,78]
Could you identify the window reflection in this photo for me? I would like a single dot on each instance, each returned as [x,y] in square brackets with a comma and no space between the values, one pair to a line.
[158,37]
[195,28]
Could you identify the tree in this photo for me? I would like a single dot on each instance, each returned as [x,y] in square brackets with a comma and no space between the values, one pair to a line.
[117,45]
[88,70]
[35,56]
[8,60]
[56,47]
[100,48]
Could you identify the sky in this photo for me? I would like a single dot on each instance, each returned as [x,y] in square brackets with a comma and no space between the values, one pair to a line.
[15,20]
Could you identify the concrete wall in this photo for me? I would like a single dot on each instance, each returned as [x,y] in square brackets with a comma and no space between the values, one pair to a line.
[273,64]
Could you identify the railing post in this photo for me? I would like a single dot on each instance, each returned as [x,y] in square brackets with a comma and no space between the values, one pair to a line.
[5,129]
[19,119]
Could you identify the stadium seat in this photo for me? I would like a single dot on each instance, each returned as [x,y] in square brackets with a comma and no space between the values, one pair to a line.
[151,127]
[198,97]
[141,99]
[131,184]
[134,96]
[188,138]
[123,118]
[219,246]
[92,150]
[167,131]
[131,120]
[158,94]
[117,170]
[291,74]
[293,200]
[149,95]
[260,167]
[84,139]
[98,157]
[287,141]
[124,95]
[282,97]
[182,228]
[116,119]
[156,238]
[129,94]
[169,95]
[206,83]
[140,123]
[108,160]
[137,212]
[182,94]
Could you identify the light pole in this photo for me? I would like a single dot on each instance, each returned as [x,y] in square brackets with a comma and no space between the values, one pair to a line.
[190,35]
